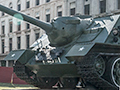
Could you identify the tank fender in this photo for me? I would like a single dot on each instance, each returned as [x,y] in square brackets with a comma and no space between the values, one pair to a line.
[23,56]
[79,50]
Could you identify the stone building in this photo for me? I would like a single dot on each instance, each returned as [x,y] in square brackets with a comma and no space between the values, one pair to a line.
[21,35]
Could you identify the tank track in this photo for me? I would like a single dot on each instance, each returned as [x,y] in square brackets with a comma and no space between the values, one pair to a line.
[85,66]
[29,77]
[20,71]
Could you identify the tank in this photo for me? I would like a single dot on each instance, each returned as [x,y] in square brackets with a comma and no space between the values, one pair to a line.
[76,52]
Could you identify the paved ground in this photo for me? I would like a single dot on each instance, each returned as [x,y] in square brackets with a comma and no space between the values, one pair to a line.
[9,86]
[6,86]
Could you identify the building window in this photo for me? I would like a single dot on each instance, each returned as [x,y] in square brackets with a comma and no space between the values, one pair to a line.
[18,5]
[47,0]
[36,36]
[10,5]
[10,44]
[59,11]
[37,15]
[72,11]
[72,8]
[3,63]
[3,13]
[27,26]
[3,27]
[47,15]
[102,6]
[37,2]
[87,9]
[18,42]
[118,4]
[28,4]
[18,26]
[27,41]
[10,25]
[3,45]
[10,63]
[48,18]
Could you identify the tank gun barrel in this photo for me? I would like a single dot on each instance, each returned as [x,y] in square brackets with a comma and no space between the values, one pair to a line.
[44,25]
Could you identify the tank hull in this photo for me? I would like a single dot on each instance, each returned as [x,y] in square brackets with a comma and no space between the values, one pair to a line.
[54,70]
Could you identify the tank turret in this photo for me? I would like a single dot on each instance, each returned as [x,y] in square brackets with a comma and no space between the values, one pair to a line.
[60,31]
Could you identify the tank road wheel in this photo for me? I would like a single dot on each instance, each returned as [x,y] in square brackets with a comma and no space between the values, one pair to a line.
[99,65]
[113,70]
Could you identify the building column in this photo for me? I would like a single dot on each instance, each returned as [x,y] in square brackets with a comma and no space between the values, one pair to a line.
[95,7]
[14,45]
[23,40]
[80,7]
[0,44]
[52,11]
[110,5]
[65,8]
[32,37]
[6,36]
[7,63]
